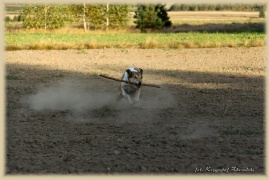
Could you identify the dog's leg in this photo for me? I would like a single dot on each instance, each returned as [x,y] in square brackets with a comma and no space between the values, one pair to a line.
[137,95]
[128,98]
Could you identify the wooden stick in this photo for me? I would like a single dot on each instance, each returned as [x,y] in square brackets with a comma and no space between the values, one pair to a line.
[120,80]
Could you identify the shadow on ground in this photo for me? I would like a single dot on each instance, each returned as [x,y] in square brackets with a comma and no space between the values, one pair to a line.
[200,120]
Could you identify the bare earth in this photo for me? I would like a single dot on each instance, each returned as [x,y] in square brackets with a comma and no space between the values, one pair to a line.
[207,117]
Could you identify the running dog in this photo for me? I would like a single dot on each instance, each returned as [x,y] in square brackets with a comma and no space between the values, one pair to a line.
[131,91]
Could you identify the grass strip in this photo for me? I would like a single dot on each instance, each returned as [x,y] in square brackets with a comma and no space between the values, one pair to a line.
[39,41]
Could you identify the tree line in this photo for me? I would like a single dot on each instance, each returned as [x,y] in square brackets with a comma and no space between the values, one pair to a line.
[111,16]
[216,7]
[93,16]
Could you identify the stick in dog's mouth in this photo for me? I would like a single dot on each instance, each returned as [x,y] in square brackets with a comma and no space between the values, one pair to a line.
[137,85]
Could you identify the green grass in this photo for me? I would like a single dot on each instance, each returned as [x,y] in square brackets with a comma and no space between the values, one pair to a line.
[12,77]
[255,151]
[27,40]
[229,131]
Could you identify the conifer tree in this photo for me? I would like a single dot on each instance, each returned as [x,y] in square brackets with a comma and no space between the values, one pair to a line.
[151,17]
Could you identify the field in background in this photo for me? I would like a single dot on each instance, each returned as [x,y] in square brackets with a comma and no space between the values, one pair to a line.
[213,16]
[187,17]
[201,30]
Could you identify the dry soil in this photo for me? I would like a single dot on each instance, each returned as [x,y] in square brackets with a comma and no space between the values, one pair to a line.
[207,117]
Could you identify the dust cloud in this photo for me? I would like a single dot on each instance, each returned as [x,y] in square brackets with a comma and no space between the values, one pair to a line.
[69,95]
[87,103]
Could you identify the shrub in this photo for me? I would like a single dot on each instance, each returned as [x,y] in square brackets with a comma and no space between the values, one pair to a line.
[16,18]
[151,17]
[261,12]
[7,19]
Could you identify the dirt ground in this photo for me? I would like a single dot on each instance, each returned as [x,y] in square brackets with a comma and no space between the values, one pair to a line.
[207,117]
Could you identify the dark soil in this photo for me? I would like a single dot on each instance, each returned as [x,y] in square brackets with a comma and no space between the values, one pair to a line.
[208,117]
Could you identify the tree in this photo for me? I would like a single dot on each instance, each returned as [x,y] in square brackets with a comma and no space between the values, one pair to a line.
[79,13]
[101,16]
[151,17]
[7,19]
[84,17]
[118,16]
[42,16]
[261,12]
[175,7]
[113,16]
[163,15]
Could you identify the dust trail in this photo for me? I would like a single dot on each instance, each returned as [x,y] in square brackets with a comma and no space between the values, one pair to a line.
[152,102]
[69,95]
[157,99]
[87,103]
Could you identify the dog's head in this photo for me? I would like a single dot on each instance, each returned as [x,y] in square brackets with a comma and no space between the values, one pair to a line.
[135,76]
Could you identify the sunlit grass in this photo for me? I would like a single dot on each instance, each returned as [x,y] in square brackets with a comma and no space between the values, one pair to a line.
[16,41]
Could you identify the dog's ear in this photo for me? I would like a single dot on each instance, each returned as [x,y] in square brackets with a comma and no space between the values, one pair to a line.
[129,72]
[141,71]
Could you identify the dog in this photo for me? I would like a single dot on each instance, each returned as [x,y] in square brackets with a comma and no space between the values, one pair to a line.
[131,91]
